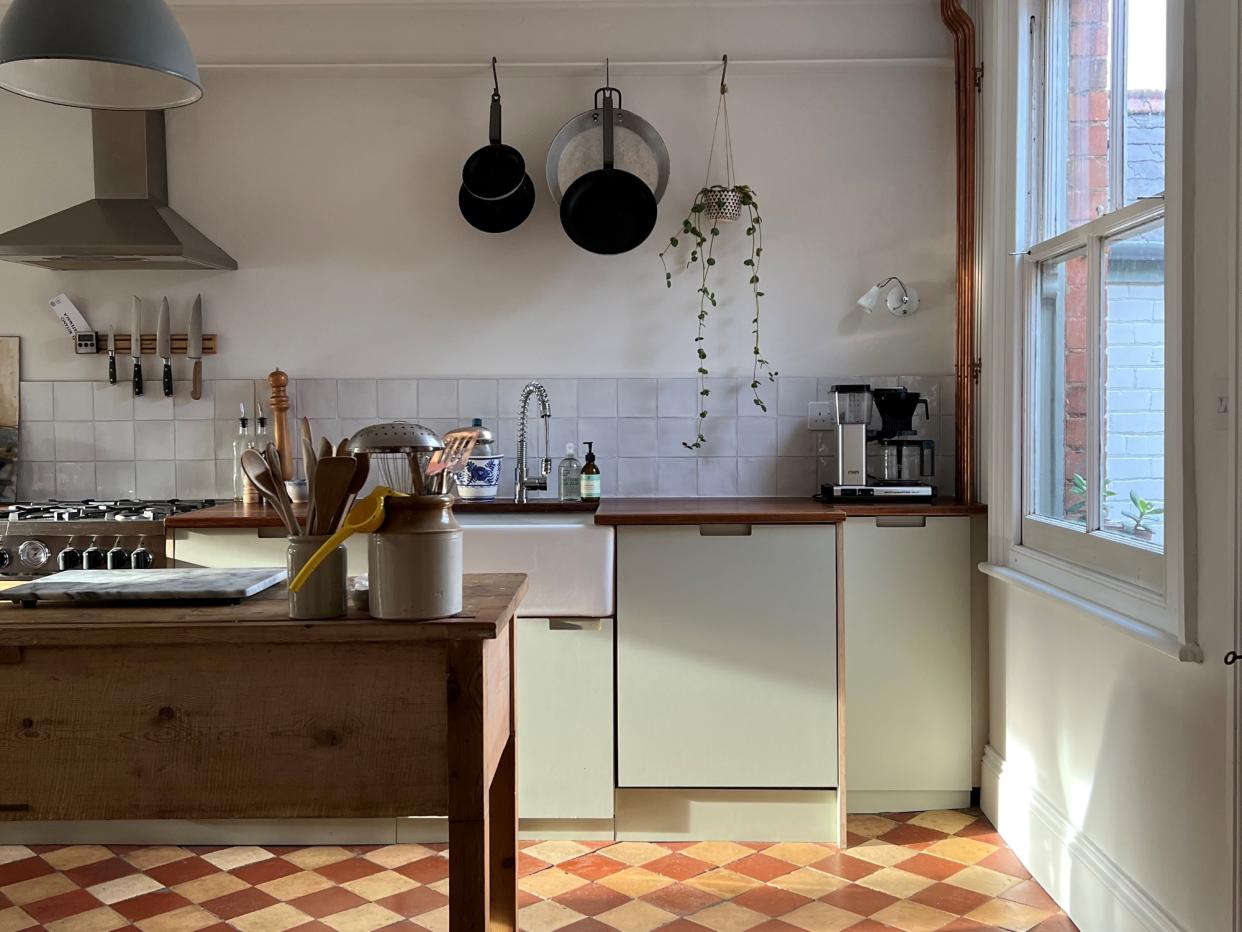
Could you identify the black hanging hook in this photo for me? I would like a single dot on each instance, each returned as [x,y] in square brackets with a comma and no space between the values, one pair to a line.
[495,81]
[724,70]
[607,73]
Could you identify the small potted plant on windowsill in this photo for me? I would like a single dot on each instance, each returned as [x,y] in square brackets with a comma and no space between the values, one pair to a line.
[1143,510]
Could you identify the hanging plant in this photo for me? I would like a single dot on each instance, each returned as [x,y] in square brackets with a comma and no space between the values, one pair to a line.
[714,205]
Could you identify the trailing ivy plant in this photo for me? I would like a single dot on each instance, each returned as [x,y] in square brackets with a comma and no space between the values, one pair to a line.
[701,255]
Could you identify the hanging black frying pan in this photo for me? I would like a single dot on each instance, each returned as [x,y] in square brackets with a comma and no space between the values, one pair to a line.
[608,211]
[496,170]
[498,216]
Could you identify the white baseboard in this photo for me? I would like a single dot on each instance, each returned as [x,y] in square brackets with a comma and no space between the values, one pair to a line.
[1092,888]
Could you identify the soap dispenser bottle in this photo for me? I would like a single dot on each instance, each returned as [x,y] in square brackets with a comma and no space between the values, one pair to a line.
[571,483]
[590,478]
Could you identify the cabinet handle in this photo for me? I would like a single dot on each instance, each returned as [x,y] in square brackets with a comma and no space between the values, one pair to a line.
[574,624]
[724,530]
[901,521]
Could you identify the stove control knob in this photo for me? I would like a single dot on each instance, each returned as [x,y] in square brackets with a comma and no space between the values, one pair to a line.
[142,558]
[5,559]
[69,559]
[34,553]
[118,558]
[93,558]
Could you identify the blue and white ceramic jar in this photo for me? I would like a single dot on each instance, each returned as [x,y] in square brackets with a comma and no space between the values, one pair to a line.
[480,479]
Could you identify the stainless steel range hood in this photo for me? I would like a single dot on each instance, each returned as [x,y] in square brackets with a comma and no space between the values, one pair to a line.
[128,224]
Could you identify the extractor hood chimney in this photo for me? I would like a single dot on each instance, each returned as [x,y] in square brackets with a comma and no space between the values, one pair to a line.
[128,224]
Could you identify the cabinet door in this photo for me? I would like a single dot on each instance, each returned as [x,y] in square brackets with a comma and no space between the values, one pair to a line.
[564,718]
[907,655]
[726,657]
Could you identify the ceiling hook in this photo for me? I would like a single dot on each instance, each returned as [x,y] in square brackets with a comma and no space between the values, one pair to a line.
[724,70]
[495,80]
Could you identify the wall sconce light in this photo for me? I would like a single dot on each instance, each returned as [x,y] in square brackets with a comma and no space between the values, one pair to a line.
[901,301]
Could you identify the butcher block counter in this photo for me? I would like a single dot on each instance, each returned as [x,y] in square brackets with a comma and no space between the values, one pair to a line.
[628,511]
[177,711]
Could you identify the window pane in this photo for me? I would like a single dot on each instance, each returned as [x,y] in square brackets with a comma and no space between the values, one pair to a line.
[1133,391]
[1146,60]
[1078,110]
[1059,390]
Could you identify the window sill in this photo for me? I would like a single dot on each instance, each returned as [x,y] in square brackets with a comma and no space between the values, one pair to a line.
[1149,634]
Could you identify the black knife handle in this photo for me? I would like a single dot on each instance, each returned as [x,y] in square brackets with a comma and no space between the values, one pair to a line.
[111,370]
[137,378]
[168,386]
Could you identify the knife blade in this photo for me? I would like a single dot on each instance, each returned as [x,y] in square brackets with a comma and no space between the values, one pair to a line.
[194,348]
[163,347]
[135,343]
[112,355]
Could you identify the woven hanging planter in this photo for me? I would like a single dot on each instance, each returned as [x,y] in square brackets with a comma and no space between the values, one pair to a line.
[722,204]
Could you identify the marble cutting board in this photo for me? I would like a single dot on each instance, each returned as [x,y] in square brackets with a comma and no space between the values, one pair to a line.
[147,585]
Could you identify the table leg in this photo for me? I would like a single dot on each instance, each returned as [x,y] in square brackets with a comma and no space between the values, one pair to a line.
[469,859]
[502,841]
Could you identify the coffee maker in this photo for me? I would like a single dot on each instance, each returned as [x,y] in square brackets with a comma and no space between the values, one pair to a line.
[905,459]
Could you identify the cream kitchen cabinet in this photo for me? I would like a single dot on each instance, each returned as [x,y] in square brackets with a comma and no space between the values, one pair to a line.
[564,712]
[727,657]
[907,662]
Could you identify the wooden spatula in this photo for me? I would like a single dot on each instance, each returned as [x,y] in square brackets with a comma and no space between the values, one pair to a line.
[333,477]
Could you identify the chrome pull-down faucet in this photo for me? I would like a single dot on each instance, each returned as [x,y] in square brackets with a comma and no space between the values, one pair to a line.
[522,483]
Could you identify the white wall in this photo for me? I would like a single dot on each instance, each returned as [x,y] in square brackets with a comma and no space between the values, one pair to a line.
[336,192]
[1117,780]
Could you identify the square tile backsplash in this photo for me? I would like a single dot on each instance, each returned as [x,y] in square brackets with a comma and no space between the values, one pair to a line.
[88,439]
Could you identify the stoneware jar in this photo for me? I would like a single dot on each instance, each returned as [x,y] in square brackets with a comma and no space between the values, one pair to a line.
[415,560]
[324,595]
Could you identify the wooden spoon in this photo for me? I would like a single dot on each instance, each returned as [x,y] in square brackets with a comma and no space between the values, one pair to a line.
[361,472]
[275,464]
[259,473]
[333,478]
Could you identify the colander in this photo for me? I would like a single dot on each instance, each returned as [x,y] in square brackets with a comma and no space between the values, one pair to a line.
[397,451]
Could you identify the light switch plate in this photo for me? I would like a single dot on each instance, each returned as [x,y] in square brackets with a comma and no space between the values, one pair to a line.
[819,416]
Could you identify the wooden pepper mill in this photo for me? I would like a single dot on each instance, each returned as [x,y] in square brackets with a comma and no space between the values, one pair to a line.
[279,382]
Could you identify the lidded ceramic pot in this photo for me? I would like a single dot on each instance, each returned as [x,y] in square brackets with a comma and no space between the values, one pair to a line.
[415,562]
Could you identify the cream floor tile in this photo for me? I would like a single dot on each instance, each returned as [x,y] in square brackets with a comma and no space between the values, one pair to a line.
[634,853]
[397,855]
[719,853]
[800,853]
[729,917]
[101,919]
[156,856]
[440,886]
[362,919]
[896,882]
[982,880]
[64,859]
[228,859]
[913,917]
[869,825]
[38,888]
[965,850]
[820,917]
[809,882]
[437,920]
[881,853]
[636,916]
[202,889]
[723,882]
[10,853]
[1017,917]
[124,888]
[274,918]
[549,883]
[546,916]
[378,886]
[310,858]
[14,919]
[942,820]
[635,881]
[556,851]
[185,919]
[294,885]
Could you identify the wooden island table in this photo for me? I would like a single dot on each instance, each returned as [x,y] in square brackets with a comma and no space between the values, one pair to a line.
[237,712]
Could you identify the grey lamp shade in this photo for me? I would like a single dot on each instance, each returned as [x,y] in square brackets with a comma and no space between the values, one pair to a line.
[102,54]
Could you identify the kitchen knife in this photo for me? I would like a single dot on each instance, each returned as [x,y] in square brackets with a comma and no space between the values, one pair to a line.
[194,348]
[112,355]
[135,344]
[163,347]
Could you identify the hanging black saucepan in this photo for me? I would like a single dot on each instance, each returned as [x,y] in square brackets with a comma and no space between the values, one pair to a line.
[608,211]
[496,170]
[498,216]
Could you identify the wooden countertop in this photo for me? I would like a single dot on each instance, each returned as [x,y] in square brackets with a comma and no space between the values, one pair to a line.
[490,600]
[628,511]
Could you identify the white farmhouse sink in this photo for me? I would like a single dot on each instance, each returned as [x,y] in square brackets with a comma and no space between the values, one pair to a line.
[568,559]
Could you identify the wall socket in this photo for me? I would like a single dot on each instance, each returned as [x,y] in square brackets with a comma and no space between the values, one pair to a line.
[819,416]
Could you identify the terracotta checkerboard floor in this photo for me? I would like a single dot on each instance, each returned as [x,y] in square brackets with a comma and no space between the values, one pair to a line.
[916,872]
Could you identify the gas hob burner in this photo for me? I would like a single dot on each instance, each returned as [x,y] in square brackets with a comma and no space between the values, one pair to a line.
[92,510]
